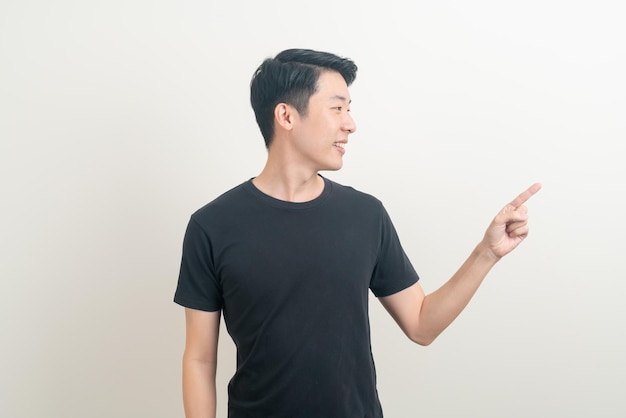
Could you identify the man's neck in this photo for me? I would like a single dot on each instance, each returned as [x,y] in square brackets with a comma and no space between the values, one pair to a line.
[289,185]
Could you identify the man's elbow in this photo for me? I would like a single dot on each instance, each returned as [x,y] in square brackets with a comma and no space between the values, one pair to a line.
[194,358]
[423,339]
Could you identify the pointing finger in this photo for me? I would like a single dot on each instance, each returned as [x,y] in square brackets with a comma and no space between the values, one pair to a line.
[525,195]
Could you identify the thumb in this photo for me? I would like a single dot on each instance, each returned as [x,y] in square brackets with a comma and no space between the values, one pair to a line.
[510,214]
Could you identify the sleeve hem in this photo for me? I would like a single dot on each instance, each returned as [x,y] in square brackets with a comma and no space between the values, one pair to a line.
[195,304]
[396,289]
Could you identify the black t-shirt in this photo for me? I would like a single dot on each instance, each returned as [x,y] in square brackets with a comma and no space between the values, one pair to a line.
[292,281]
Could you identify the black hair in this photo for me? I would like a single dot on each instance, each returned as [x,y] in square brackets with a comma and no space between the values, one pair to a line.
[291,77]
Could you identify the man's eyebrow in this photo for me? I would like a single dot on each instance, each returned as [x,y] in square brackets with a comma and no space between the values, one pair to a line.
[340,97]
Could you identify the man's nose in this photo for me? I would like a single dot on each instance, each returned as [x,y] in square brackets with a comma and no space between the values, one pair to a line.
[349,124]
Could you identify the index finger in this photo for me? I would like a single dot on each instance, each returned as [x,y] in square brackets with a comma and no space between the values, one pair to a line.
[525,195]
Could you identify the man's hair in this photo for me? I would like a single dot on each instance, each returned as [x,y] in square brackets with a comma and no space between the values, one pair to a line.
[291,77]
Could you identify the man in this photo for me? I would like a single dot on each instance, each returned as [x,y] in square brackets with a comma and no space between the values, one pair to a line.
[289,257]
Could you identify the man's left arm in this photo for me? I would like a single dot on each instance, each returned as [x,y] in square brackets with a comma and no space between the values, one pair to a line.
[423,317]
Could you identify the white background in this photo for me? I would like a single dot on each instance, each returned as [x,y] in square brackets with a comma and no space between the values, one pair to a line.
[118,119]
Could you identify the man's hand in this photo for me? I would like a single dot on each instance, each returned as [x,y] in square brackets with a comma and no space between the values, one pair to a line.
[510,226]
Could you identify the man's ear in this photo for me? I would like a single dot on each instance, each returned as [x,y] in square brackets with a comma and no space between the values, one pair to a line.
[284,116]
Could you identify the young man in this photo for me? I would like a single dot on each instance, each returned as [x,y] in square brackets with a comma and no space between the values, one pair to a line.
[289,257]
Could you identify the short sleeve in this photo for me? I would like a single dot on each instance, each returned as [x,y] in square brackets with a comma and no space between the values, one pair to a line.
[393,272]
[198,287]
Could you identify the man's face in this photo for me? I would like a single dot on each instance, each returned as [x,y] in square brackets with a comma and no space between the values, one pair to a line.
[320,136]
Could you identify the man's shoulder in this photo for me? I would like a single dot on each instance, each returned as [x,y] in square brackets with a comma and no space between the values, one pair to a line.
[352,194]
[224,203]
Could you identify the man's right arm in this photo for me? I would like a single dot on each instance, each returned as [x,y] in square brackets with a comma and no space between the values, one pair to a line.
[200,363]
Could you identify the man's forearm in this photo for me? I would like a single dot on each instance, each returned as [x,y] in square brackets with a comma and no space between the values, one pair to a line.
[199,395]
[442,306]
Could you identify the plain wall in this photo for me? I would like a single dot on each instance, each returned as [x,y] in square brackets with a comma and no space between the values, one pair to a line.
[118,119]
